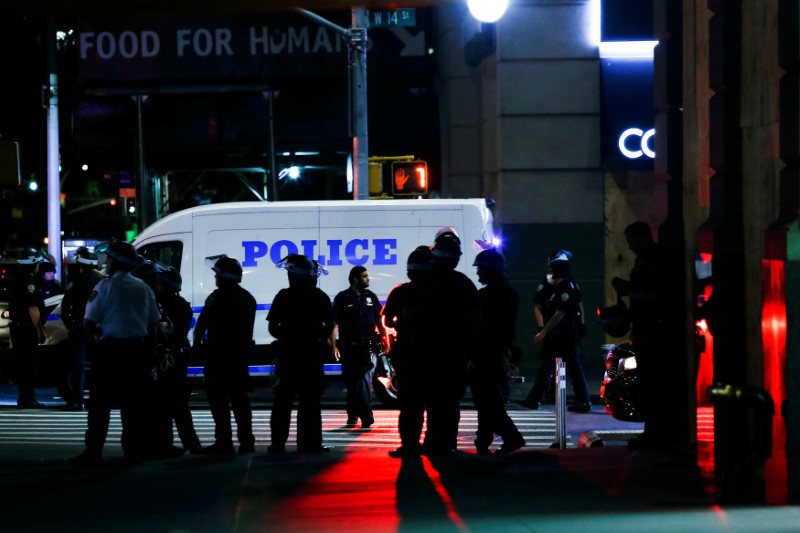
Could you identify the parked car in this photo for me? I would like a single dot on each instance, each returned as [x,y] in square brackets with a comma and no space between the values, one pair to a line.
[620,387]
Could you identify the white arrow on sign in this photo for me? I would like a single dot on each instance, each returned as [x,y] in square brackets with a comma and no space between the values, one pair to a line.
[414,45]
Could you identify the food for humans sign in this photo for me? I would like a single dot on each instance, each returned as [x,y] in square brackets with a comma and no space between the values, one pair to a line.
[285,46]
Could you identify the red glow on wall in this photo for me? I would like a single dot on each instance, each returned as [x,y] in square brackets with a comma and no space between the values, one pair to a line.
[773,334]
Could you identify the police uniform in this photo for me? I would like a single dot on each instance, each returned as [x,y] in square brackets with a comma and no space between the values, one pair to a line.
[410,385]
[228,319]
[562,341]
[73,309]
[442,313]
[358,317]
[25,336]
[498,303]
[172,387]
[302,320]
[124,309]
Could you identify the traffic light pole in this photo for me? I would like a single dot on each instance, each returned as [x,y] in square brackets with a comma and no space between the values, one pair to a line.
[357,64]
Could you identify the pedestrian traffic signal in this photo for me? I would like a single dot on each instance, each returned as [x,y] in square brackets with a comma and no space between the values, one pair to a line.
[409,178]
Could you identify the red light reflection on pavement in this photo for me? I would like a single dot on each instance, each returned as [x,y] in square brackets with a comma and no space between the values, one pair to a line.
[334,499]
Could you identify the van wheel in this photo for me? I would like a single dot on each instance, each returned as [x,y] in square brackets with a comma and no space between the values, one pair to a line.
[385,390]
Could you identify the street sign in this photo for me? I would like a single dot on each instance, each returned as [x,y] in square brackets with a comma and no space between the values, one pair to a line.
[391,18]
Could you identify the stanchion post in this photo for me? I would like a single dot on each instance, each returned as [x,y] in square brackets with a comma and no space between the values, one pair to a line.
[561,404]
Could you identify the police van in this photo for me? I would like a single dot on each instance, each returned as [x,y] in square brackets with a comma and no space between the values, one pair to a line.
[377,234]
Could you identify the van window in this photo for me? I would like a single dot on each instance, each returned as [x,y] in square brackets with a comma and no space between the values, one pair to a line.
[168,253]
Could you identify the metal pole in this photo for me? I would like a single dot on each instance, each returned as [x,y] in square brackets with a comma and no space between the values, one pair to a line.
[53,154]
[358,95]
[273,171]
[143,186]
[561,404]
[357,53]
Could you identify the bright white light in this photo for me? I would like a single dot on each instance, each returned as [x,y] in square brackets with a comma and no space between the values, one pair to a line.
[487,10]
[629,363]
[292,173]
[594,30]
[627,49]
[131,209]
[350,173]
[644,139]
[645,146]
[33,186]
[84,167]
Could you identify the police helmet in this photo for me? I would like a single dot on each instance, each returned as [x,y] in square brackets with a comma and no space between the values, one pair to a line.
[170,276]
[447,230]
[228,268]
[447,245]
[420,259]
[299,264]
[318,269]
[615,319]
[28,256]
[559,255]
[46,266]
[491,259]
[122,252]
[85,256]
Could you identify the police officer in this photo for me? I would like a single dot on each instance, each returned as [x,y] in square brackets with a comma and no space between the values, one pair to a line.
[498,302]
[123,310]
[443,317]
[544,292]
[406,362]
[228,318]
[559,338]
[357,317]
[26,308]
[73,309]
[301,319]
[46,282]
[172,388]
[648,290]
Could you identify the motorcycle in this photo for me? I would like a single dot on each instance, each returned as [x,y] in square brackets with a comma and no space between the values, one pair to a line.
[620,386]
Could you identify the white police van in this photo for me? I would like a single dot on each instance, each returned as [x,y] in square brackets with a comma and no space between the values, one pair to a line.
[378,234]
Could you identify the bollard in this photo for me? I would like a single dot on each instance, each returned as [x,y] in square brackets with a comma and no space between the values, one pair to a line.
[561,405]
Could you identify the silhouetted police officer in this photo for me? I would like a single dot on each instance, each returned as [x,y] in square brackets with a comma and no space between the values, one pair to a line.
[407,364]
[498,303]
[26,309]
[647,290]
[357,315]
[172,388]
[73,309]
[443,316]
[124,311]
[228,318]
[301,319]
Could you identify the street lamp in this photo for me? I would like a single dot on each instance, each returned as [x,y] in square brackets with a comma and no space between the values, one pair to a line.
[487,10]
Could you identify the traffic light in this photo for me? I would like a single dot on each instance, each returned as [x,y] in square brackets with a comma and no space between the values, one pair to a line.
[409,178]
[131,207]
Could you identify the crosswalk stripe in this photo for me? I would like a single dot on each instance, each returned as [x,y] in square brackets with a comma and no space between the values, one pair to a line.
[537,427]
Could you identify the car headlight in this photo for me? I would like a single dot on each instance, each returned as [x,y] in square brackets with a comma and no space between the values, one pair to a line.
[629,363]
[5,314]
